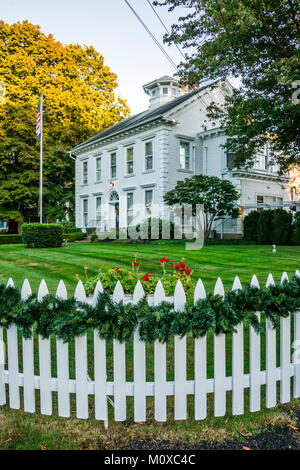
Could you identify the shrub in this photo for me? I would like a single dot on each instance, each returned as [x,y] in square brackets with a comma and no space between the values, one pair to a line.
[295,236]
[42,235]
[251,226]
[282,226]
[68,227]
[265,232]
[11,239]
[145,228]
[94,237]
[73,236]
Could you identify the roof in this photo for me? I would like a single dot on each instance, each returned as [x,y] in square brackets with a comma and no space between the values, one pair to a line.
[141,118]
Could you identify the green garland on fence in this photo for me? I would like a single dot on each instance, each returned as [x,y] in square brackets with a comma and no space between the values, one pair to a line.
[69,318]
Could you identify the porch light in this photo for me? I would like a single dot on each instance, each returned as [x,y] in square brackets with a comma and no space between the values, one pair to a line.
[112,185]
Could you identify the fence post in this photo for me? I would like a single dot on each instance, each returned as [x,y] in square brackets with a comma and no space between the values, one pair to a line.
[160,366]
[200,363]
[285,354]
[296,354]
[45,363]
[180,358]
[62,358]
[13,363]
[238,363]
[255,362]
[139,365]
[119,366]
[28,360]
[219,363]
[271,372]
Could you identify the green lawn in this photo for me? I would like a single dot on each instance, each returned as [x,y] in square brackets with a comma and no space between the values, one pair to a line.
[19,430]
[212,261]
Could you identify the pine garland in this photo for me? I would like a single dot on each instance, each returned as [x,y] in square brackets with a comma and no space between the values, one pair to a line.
[70,318]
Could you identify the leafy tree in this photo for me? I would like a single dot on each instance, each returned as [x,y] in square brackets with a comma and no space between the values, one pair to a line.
[255,40]
[79,101]
[219,198]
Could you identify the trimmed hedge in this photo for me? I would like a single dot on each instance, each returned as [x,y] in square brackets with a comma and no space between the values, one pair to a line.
[282,227]
[14,239]
[74,236]
[42,235]
[265,227]
[251,226]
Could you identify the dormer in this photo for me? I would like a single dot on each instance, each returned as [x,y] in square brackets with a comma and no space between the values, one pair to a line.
[162,90]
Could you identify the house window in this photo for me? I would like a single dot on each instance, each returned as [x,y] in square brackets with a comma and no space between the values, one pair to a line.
[148,202]
[129,161]
[259,200]
[229,159]
[98,210]
[85,204]
[184,155]
[85,172]
[149,156]
[155,92]
[165,91]
[113,165]
[98,169]
[129,209]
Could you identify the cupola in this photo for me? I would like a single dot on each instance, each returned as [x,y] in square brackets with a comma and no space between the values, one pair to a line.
[162,90]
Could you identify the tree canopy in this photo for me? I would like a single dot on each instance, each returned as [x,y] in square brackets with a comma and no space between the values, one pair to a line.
[258,41]
[218,196]
[79,101]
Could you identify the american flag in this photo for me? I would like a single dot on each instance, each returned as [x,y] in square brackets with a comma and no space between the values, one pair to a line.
[39,120]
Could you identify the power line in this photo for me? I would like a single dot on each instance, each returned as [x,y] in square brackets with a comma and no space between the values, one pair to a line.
[152,36]
[166,29]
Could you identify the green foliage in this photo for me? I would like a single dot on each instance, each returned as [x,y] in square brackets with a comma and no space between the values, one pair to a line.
[218,196]
[69,318]
[8,239]
[282,227]
[94,237]
[251,226]
[266,227]
[73,236]
[256,41]
[42,235]
[68,227]
[143,230]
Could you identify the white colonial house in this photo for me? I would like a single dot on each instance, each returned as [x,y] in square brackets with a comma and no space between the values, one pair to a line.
[124,171]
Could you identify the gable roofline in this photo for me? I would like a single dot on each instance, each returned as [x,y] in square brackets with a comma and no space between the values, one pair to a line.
[140,119]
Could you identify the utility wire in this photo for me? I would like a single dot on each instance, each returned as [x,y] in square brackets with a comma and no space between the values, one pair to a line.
[166,29]
[152,36]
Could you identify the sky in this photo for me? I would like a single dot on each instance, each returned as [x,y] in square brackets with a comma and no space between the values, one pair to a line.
[114,31]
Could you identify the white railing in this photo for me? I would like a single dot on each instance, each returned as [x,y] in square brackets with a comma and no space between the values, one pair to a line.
[12,380]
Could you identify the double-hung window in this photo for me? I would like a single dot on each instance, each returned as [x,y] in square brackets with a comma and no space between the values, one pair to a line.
[113,165]
[85,204]
[148,156]
[85,176]
[98,209]
[129,209]
[129,161]
[98,169]
[148,202]
[185,155]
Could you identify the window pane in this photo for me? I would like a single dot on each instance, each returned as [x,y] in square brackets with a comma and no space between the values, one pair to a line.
[85,173]
[130,161]
[184,155]
[98,209]
[148,202]
[85,212]
[165,91]
[229,159]
[129,208]
[149,156]
[98,169]
[113,165]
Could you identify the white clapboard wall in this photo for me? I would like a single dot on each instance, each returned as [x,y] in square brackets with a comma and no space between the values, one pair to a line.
[106,394]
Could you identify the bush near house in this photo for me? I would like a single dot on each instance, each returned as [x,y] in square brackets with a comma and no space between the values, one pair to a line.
[282,223]
[9,239]
[265,227]
[74,236]
[251,226]
[42,235]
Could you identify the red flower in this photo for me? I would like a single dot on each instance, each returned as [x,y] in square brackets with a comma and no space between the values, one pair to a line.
[164,260]
[146,277]
[179,266]
[188,271]
[117,270]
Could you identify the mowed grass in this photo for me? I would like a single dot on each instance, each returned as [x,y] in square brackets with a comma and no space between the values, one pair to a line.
[212,261]
[19,430]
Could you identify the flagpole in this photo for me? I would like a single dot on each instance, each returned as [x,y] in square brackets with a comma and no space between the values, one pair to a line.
[41,163]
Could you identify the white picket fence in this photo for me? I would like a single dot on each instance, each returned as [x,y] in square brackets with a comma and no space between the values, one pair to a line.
[116,391]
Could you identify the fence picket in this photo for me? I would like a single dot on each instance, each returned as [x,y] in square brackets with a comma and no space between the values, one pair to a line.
[81,368]
[2,366]
[139,355]
[45,363]
[270,357]
[28,360]
[119,366]
[62,353]
[219,364]
[180,359]
[285,354]
[255,363]
[101,412]
[200,364]
[160,366]
[238,363]
[13,363]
